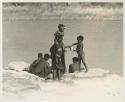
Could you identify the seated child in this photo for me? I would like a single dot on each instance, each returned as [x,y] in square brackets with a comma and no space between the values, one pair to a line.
[43,69]
[35,63]
[75,66]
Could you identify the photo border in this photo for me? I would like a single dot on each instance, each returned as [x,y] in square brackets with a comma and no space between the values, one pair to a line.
[1,61]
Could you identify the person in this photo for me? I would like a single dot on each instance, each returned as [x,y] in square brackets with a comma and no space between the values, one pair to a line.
[80,52]
[75,66]
[60,32]
[35,63]
[43,69]
[58,36]
[59,64]
[58,41]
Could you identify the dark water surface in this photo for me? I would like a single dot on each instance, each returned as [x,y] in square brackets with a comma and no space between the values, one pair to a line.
[103,44]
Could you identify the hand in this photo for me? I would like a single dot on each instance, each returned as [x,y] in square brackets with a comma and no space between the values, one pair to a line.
[68,46]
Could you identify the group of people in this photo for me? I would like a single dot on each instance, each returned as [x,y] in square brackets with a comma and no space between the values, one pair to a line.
[41,67]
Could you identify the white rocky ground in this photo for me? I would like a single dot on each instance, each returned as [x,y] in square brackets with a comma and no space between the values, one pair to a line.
[98,85]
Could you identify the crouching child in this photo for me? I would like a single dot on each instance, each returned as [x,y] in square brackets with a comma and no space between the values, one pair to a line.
[41,67]
[75,66]
[35,63]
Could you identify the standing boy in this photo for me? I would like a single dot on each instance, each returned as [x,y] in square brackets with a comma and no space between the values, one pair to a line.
[59,35]
[80,52]
[60,32]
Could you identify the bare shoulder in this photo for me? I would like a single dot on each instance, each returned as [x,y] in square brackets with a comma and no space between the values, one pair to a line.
[56,33]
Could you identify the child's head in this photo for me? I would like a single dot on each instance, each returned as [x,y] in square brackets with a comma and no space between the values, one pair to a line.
[40,55]
[80,38]
[61,27]
[46,56]
[75,59]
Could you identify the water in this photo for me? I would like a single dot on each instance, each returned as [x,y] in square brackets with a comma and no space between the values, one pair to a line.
[103,44]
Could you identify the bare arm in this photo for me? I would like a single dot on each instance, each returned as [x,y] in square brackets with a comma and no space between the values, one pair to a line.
[80,48]
[69,46]
[74,44]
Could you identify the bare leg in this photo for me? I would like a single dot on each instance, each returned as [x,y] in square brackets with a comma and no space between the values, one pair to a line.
[83,61]
[79,62]
[54,74]
[59,74]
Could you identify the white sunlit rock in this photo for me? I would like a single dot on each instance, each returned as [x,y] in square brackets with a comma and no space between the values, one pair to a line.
[82,86]
[18,65]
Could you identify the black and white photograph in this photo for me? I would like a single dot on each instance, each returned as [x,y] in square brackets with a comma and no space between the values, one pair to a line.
[62,51]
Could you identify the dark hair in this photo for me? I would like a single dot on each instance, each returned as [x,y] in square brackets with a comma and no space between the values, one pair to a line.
[75,59]
[40,54]
[80,37]
[60,25]
[46,56]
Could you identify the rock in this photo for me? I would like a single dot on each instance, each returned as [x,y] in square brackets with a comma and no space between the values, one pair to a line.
[18,65]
